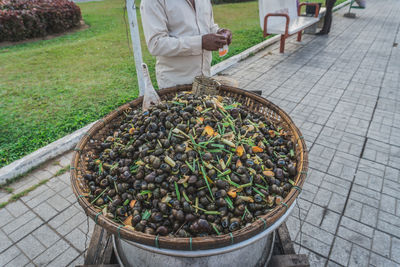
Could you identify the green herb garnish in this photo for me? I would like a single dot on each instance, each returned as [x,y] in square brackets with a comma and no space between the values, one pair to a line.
[178,194]
[229,202]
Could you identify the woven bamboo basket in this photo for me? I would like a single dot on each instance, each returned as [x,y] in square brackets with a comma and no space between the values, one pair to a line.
[254,103]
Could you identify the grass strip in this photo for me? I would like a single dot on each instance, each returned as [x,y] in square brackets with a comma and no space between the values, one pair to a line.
[17,196]
[23,193]
[8,189]
[62,171]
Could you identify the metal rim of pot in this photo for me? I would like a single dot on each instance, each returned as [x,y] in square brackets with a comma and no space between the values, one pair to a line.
[215,251]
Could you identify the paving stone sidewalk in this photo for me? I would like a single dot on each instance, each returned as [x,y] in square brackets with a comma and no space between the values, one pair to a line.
[343,92]
[47,226]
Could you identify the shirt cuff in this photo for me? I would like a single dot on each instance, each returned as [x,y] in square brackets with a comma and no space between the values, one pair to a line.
[195,43]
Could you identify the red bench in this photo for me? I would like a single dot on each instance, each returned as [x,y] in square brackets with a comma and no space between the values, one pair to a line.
[283,17]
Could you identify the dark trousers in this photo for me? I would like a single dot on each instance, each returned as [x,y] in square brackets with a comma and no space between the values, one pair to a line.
[328,16]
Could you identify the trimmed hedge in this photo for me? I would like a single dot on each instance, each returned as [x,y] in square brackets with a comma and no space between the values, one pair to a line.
[216,2]
[24,19]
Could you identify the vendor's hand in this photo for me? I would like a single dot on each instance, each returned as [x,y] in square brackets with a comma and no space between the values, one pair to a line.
[226,33]
[213,42]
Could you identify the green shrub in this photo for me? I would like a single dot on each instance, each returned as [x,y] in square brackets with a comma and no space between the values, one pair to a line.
[23,19]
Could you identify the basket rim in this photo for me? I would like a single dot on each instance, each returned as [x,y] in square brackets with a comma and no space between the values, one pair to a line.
[192,243]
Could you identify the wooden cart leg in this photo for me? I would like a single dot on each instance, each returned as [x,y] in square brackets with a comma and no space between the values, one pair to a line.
[284,253]
[283,37]
[299,36]
[100,248]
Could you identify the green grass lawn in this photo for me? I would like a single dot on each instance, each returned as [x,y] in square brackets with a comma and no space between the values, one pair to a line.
[54,87]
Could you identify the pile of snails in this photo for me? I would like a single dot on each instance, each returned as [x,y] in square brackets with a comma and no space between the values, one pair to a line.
[192,166]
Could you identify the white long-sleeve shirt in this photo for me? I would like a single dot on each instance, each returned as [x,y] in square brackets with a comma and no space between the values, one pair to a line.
[173,30]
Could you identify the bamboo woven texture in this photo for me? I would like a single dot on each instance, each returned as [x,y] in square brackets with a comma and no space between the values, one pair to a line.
[203,85]
[254,103]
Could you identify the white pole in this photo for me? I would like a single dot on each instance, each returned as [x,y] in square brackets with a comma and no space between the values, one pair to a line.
[137,49]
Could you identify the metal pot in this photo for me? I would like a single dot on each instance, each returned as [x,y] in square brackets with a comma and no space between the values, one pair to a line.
[255,251]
